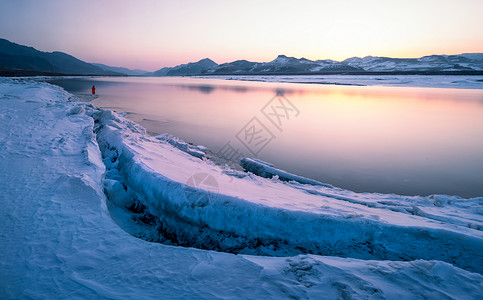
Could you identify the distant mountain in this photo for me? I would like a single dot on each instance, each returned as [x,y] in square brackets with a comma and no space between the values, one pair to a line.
[122,70]
[17,57]
[238,66]
[193,68]
[432,63]
[474,56]
[24,62]
[18,60]
[470,63]
[281,65]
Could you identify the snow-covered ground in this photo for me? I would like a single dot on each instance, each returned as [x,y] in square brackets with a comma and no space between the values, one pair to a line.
[61,237]
[440,81]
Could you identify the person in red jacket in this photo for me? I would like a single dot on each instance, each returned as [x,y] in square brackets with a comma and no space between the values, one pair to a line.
[93,90]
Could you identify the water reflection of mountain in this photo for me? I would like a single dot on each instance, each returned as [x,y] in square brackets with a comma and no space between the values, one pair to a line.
[207,89]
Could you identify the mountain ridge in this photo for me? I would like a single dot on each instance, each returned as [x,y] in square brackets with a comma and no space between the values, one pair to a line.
[466,63]
[122,70]
[17,59]
[191,68]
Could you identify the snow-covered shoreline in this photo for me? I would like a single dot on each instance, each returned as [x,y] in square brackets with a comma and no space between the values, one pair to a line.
[57,236]
[292,217]
[427,81]
[430,81]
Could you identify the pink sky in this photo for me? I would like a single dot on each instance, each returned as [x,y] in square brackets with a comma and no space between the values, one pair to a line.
[152,34]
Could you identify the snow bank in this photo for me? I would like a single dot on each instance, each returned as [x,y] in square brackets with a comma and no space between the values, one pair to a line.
[253,215]
[59,240]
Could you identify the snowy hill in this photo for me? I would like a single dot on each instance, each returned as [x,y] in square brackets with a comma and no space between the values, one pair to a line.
[435,63]
[474,56]
[193,68]
[238,66]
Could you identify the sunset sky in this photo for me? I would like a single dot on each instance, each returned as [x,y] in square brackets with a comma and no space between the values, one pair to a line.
[151,34]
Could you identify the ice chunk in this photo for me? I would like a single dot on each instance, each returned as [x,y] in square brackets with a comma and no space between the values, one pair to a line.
[196,151]
[268,170]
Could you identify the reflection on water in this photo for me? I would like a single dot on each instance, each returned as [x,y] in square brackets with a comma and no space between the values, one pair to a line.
[375,139]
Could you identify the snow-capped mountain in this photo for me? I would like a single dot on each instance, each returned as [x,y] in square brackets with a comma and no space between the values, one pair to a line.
[235,67]
[192,68]
[467,63]
[436,63]
[281,65]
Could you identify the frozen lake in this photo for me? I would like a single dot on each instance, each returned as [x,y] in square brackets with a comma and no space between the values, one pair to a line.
[403,140]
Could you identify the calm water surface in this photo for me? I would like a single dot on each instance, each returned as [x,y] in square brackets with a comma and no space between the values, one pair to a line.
[410,141]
